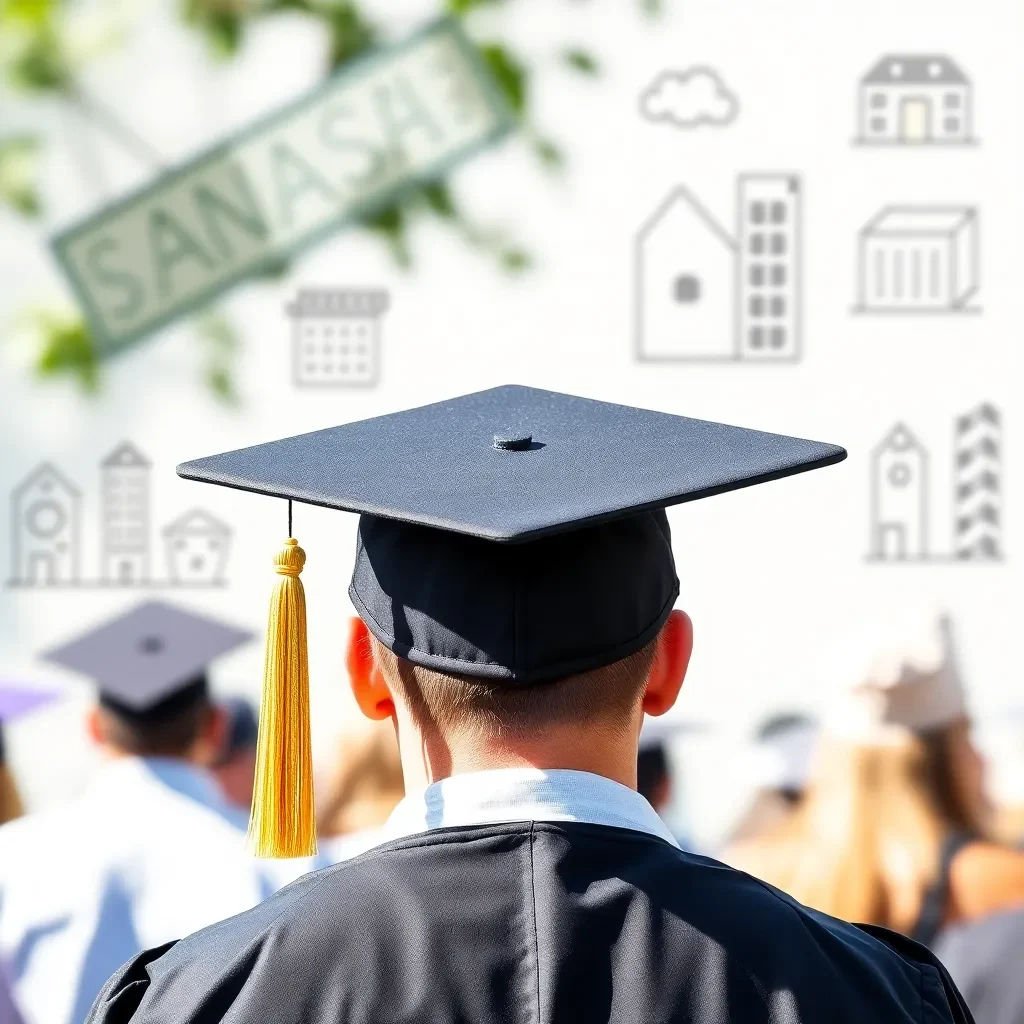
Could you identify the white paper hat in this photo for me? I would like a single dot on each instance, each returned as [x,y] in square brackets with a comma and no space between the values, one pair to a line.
[896,675]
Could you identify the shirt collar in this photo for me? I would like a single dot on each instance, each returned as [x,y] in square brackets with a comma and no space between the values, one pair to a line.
[524,794]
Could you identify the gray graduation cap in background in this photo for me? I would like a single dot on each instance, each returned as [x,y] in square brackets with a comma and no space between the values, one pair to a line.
[514,533]
[150,657]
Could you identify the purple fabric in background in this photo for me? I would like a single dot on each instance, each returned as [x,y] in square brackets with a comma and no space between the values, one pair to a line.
[16,701]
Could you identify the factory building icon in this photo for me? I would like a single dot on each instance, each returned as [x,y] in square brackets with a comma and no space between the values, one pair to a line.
[915,100]
[902,502]
[919,259]
[704,295]
[45,529]
[124,493]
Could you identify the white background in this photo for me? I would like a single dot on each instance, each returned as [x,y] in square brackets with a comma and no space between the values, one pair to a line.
[767,573]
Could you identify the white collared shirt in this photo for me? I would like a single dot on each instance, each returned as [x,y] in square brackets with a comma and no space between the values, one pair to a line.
[524,794]
[150,851]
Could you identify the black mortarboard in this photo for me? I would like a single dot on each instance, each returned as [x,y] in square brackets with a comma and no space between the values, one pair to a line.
[472,553]
[151,658]
[514,534]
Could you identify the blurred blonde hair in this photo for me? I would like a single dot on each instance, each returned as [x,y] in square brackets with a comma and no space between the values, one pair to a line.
[366,784]
[865,843]
[10,801]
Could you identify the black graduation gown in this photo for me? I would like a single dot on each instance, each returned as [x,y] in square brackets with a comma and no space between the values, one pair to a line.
[531,923]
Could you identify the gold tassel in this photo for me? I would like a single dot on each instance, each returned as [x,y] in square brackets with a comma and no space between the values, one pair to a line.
[283,823]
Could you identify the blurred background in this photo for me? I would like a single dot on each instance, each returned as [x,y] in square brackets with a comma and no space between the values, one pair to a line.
[650,139]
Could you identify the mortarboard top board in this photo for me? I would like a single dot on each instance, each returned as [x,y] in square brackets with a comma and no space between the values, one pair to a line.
[444,487]
[513,534]
[145,658]
[513,463]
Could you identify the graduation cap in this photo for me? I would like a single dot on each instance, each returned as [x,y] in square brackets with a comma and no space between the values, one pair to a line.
[152,660]
[512,534]
[16,701]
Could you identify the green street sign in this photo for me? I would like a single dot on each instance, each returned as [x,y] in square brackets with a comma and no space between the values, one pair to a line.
[399,117]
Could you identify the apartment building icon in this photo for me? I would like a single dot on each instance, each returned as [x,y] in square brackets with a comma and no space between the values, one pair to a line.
[124,493]
[977,501]
[703,294]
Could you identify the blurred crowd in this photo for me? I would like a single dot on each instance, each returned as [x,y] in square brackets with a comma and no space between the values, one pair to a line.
[879,810]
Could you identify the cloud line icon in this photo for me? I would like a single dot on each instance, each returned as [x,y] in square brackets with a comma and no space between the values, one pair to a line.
[690,98]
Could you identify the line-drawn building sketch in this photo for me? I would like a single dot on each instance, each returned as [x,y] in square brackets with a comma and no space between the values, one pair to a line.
[702,295]
[913,100]
[684,281]
[45,529]
[336,336]
[689,99]
[919,259]
[124,522]
[768,269]
[902,503]
[977,467]
[197,546]
[899,489]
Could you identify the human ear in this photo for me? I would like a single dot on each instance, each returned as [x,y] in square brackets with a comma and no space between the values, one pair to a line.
[675,645]
[94,726]
[366,679]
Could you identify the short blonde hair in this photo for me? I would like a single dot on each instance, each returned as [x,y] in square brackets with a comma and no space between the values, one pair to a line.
[454,702]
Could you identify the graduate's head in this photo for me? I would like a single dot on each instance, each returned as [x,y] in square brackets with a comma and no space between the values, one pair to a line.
[514,567]
[149,665]
[606,701]
[186,725]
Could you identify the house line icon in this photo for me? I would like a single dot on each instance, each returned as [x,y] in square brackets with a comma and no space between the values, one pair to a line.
[915,100]
[702,295]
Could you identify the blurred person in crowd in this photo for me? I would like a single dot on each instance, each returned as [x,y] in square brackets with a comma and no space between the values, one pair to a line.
[779,766]
[365,788]
[235,765]
[657,774]
[894,829]
[516,625]
[1001,738]
[986,959]
[151,849]
[15,701]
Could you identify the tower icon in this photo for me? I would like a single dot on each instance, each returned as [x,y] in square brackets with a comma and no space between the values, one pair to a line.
[124,550]
[899,488]
[45,526]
